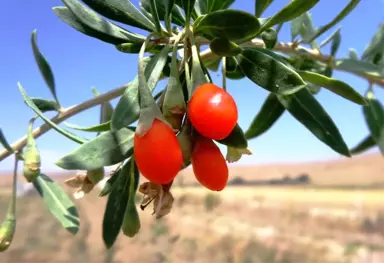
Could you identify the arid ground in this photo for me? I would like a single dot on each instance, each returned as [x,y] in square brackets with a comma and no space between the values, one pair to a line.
[338,216]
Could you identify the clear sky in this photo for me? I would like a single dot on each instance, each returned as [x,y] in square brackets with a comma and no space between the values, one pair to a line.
[80,62]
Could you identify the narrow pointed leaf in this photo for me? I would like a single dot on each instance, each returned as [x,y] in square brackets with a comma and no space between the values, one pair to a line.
[58,203]
[269,113]
[363,146]
[374,117]
[269,73]
[346,11]
[46,105]
[128,109]
[330,38]
[359,66]
[260,6]
[336,86]
[115,208]
[224,48]
[32,105]
[177,16]
[188,6]
[236,138]
[106,110]
[375,45]
[121,11]
[269,37]
[155,16]
[4,142]
[107,149]
[168,6]
[303,26]
[235,25]
[292,10]
[87,21]
[309,112]
[44,67]
[103,127]
[111,183]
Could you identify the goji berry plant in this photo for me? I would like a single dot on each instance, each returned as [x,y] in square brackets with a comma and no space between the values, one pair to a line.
[181,125]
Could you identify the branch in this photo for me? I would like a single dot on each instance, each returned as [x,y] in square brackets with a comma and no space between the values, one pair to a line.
[65,114]
[71,111]
[314,54]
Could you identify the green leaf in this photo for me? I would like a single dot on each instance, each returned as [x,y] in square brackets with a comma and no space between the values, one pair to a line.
[375,46]
[121,11]
[103,127]
[106,110]
[359,66]
[235,25]
[261,6]
[236,138]
[168,5]
[44,67]
[131,222]
[303,26]
[269,73]
[366,144]
[330,38]
[89,23]
[177,16]
[269,36]
[107,149]
[224,48]
[269,113]
[212,62]
[292,10]
[309,112]
[374,117]
[233,70]
[32,105]
[46,105]
[208,6]
[155,16]
[351,5]
[128,109]
[4,142]
[115,208]
[111,183]
[188,6]
[336,86]
[58,203]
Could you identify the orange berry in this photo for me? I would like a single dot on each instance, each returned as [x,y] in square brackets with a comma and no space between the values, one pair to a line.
[158,154]
[212,111]
[209,165]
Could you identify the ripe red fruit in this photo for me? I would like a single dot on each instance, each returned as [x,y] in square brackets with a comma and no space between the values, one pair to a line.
[209,165]
[158,154]
[212,111]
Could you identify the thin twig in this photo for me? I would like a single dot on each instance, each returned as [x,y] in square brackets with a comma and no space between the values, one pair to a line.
[281,47]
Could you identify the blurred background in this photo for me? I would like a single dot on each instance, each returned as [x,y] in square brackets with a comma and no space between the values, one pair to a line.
[293,200]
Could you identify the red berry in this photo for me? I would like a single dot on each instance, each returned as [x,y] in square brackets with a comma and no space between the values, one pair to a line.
[209,165]
[212,111]
[158,154]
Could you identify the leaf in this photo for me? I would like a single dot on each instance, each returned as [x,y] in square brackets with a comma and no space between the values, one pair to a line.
[188,6]
[4,142]
[177,16]
[236,138]
[269,113]
[106,110]
[359,66]
[233,70]
[367,143]
[32,105]
[168,6]
[88,22]
[224,48]
[292,10]
[121,11]
[309,112]
[128,109]
[46,105]
[353,54]
[44,67]
[103,127]
[351,5]
[111,183]
[330,38]
[212,62]
[335,43]
[269,37]
[336,86]
[115,208]
[303,26]
[375,46]
[374,117]
[208,6]
[58,203]
[260,6]
[107,149]
[235,25]
[155,16]
[269,73]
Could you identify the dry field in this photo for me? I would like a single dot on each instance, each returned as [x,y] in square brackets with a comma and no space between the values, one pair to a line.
[241,224]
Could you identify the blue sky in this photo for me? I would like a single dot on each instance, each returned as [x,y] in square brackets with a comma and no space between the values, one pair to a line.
[80,62]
